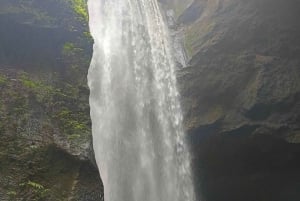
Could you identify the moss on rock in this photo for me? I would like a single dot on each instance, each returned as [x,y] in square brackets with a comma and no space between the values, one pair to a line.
[45,129]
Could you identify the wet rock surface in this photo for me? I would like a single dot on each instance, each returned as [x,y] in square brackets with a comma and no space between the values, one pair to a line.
[240,96]
[45,135]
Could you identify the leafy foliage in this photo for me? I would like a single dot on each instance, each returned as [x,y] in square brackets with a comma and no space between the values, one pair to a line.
[11,194]
[38,191]
[80,8]
[49,100]
[70,49]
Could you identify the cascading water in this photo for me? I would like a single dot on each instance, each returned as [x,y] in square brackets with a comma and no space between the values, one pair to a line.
[136,117]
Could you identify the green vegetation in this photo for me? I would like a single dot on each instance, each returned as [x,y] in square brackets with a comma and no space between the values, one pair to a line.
[88,36]
[35,185]
[48,13]
[77,58]
[62,103]
[44,111]
[34,14]
[74,136]
[41,91]
[34,110]
[70,49]
[11,194]
[38,191]
[80,8]
[70,124]
[3,80]
[28,82]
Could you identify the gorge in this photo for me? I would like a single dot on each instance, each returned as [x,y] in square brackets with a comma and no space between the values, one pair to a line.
[239,95]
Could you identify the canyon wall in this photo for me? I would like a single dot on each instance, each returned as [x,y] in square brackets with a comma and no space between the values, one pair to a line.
[240,95]
[45,134]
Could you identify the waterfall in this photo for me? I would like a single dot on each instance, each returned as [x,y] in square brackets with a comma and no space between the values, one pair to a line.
[136,117]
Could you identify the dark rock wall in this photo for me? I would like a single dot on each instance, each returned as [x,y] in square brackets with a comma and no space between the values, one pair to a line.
[45,134]
[240,96]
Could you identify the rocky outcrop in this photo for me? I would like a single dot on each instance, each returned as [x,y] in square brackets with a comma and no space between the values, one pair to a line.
[240,94]
[45,134]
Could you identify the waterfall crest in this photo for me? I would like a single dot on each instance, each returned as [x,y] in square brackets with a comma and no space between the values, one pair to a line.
[136,117]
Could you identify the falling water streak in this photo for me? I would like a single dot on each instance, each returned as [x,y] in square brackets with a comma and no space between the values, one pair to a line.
[136,117]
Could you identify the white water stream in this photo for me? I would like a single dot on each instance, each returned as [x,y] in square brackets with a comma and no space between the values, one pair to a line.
[136,117]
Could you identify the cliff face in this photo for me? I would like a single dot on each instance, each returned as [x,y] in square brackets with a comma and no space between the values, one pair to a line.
[240,95]
[45,136]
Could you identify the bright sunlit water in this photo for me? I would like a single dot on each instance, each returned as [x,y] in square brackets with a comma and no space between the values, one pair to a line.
[136,117]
